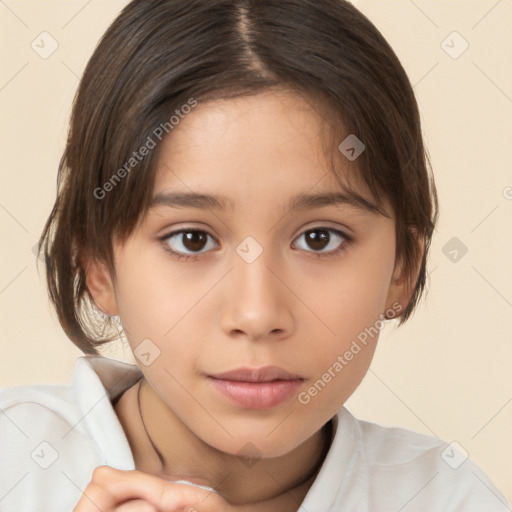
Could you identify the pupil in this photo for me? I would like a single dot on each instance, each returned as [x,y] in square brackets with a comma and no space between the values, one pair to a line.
[318,239]
[194,241]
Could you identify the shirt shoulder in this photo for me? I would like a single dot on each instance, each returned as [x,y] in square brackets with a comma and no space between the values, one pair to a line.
[40,446]
[416,472]
[388,445]
[53,436]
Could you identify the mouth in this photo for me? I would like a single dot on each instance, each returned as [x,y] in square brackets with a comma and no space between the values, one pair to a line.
[256,388]
[264,374]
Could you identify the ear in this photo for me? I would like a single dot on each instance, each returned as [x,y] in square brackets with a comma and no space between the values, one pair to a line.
[100,286]
[403,283]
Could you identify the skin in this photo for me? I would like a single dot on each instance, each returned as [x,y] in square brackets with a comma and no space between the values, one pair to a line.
[216,312]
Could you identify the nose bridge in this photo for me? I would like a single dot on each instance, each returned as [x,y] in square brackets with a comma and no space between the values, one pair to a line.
[253,274]
[256,303]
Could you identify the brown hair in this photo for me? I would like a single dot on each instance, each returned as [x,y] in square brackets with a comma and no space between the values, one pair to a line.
[157,55]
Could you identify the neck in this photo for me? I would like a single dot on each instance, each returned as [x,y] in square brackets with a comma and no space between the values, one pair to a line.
[163,446]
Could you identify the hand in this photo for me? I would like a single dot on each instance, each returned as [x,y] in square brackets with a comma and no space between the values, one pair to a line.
[113,490]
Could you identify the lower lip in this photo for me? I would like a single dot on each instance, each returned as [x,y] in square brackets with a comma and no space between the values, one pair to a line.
[256,395]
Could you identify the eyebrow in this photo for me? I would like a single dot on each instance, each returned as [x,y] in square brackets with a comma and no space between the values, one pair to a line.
[300,202]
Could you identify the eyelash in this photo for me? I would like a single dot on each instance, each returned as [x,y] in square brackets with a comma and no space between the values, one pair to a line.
[190,257]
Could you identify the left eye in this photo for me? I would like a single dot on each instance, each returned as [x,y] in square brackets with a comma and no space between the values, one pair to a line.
[187,240]
[322,238]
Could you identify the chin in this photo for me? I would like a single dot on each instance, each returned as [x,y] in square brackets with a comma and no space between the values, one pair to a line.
[253,447]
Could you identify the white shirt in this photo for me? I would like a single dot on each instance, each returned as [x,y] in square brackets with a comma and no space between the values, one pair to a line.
[52,438]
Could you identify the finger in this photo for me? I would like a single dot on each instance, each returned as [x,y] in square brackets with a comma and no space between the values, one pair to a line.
[119,486]
[136,506]
[95,499]
[101,498]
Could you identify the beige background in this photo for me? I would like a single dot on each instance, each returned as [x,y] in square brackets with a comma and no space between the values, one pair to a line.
[449,372]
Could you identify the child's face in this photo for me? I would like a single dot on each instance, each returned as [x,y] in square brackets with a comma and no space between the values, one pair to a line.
[293,306]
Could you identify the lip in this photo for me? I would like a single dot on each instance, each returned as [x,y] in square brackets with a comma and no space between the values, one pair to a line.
[264,374]
[256,388]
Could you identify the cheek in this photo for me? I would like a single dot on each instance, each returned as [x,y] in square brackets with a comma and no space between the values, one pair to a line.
[350,305]
[140,303]
[161,307]
[350,298]
[150,300]
[338,363]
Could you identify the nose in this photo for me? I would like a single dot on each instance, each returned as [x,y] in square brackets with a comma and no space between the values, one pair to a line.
[257,303]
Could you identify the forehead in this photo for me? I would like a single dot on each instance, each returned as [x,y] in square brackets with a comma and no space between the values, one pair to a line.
[268,120]
[271,144]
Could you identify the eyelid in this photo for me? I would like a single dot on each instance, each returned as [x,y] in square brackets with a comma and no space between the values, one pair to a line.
[343,229]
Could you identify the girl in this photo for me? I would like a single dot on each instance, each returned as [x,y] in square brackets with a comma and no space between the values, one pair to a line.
[246,194]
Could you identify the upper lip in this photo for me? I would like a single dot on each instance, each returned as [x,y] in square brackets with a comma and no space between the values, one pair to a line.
[264,374]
